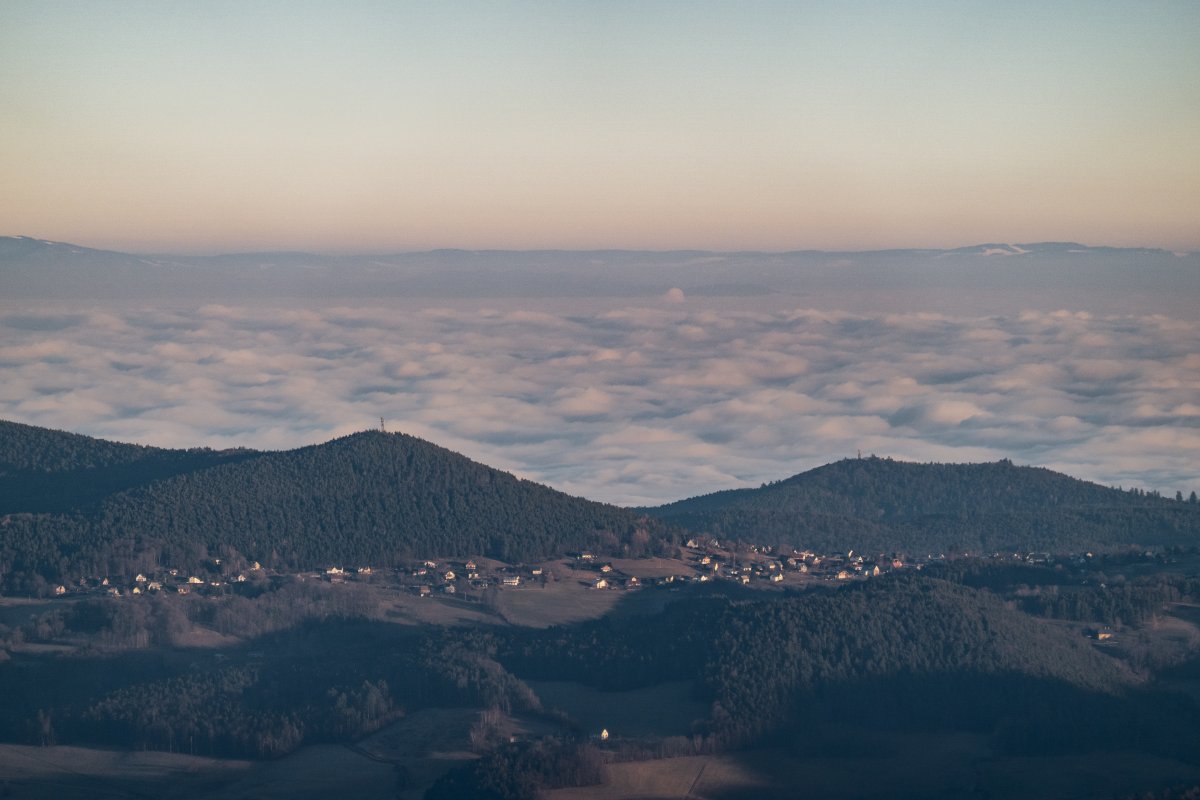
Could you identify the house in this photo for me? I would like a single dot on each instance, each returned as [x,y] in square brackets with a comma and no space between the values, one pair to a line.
[364,570]
[254,566]
[241,578]
[607,568]
[537,571]
[1103,634]
[843,575]
[114,591]
[604,734]
[335,571]
[449,588]
[586,556]
[431,564]
[692,543]
[512,580]
[60,590]
[424,591]
[137,590]
[777,577]
[182,589]
[470,565]
[194,580]
[706,560]
[154,586]
[140,578]
[449,575]
[745,579]
[632,581]
[600,583]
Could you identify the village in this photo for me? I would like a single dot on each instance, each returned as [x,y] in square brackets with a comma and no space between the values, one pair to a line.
[700,560]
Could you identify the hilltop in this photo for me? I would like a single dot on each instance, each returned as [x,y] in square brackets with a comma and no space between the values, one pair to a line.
[881,505]
[368,498]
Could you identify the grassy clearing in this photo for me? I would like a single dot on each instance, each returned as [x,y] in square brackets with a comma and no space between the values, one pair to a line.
[935,766]
[311,773]
[556,603]
[694,777]
[80,772]
[16,611]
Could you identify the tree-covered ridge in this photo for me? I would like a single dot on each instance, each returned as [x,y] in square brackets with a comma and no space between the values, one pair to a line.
[52,471]
[369,498]
[33,449]
[883,505]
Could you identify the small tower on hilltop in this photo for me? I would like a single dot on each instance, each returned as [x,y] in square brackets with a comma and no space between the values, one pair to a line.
[382,429]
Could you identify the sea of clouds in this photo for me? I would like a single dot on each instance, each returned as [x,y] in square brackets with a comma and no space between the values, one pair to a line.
[629,401]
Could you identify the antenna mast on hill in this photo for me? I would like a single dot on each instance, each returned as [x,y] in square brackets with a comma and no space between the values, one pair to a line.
[381,428]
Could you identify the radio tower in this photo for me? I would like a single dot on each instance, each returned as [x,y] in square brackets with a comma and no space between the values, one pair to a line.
[381,428]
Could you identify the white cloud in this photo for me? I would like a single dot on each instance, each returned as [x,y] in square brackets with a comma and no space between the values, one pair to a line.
[626,403]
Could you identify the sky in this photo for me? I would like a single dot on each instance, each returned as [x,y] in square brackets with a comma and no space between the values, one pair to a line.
[363,127]
[371,127]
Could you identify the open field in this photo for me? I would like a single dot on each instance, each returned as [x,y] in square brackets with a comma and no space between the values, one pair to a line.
[16,611]
[407,608]
[555,603]
[81,772]
[686,777]
[311,773]
[667,709]
[896,765]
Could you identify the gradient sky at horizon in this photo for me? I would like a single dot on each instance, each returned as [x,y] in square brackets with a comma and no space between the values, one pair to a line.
[218,126]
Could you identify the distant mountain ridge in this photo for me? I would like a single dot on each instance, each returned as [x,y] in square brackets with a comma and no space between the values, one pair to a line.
[39,268]
[880,505]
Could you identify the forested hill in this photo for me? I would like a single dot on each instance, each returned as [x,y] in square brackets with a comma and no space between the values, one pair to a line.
[48,470]
[369,498]
[882,505]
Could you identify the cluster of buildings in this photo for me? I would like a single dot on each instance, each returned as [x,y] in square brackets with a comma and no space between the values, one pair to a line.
[174,581]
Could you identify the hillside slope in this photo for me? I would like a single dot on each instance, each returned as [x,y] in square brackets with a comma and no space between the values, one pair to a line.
[44,470]
[880,505]
[369,498]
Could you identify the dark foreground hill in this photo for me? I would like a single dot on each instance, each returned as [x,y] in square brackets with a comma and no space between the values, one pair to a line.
[369,498]
[880,505]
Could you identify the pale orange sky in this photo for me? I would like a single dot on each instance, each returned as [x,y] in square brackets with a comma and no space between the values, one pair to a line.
[768,126]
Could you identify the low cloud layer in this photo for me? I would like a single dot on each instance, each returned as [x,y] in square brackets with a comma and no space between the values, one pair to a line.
[638,405]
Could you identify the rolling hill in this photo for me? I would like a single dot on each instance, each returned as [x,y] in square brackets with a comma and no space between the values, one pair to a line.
[881,505]
[77,506]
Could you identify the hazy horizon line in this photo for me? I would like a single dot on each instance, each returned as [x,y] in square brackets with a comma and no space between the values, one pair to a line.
[216,253]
